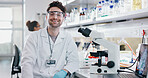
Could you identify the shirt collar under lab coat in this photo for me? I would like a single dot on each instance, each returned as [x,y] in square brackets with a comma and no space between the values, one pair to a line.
[59,39]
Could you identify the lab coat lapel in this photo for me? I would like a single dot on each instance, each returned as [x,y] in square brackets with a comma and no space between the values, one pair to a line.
[44,35]
[60,38]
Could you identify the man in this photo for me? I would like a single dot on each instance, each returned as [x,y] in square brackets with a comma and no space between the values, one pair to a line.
[50,52]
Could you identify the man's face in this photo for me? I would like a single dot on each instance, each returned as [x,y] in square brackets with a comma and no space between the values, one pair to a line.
[56,17]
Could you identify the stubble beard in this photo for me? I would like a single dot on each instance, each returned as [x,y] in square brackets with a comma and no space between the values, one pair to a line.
[54,26]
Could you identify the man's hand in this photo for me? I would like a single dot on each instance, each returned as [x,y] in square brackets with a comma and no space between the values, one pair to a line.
[60,74]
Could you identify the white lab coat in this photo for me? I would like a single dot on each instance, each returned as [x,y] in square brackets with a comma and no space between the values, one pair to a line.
[37,51]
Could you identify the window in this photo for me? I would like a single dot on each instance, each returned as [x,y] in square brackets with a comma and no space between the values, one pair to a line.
[5,30]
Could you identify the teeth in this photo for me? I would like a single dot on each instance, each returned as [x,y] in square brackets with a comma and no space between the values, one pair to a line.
[54,21]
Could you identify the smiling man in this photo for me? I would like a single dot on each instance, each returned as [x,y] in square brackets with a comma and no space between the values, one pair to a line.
[55,17]
[49,52]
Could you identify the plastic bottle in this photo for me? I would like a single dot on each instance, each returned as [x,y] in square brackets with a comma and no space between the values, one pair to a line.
[144,4]
[111,8]
[99,10]
[103,8]
[122,6]
[76,15]
[127,6]
[92,13]
[116,7]
[106,8]
[67,19]
[86,13]
[72,16]
[82,14]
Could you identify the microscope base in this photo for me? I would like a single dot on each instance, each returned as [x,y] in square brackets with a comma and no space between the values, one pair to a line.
[103,70]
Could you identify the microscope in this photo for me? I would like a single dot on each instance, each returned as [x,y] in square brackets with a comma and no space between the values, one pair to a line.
[113,53]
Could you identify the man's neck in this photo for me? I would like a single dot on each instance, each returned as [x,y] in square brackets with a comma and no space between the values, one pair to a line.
[53,31]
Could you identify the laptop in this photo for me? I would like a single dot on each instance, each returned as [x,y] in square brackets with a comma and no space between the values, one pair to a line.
[147,75]
[142,64]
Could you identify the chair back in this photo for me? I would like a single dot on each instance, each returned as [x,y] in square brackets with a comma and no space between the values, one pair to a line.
[16,60]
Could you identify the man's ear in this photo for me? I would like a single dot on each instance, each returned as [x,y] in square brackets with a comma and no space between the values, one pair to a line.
[65,15]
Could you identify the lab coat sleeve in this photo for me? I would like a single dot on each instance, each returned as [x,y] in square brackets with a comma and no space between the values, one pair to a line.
[28,58]
[72,56]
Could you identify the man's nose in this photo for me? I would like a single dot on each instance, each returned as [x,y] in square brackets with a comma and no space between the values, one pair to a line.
[55,16]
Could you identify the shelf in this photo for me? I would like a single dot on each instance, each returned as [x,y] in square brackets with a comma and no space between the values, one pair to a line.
[70,4]
[114,18]
[125,16]
[77,2]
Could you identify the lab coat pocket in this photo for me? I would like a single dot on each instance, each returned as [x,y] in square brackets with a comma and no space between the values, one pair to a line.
[42,58]
[43,68]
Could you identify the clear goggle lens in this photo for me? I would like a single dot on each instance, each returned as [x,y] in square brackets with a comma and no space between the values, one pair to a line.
[53,13]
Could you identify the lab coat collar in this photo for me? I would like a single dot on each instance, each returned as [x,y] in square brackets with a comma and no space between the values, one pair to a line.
[44,32]
[59,38]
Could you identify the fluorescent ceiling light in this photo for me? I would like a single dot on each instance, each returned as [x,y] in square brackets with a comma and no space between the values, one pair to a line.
[68,2]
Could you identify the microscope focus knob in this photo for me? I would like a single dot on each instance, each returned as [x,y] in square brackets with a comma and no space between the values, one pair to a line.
[110,64]
[99,70]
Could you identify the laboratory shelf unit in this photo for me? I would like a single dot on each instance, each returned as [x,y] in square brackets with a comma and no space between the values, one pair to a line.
[142,13]
[69,4]
[80,2]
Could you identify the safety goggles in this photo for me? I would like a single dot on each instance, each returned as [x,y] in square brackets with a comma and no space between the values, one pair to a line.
[53,13]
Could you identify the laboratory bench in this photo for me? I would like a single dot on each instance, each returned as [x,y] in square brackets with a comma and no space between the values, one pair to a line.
[85,73]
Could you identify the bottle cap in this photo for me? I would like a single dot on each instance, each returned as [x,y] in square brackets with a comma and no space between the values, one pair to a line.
[116,1]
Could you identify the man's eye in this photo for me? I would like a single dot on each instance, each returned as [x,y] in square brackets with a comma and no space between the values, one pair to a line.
[51,13]
[58,14]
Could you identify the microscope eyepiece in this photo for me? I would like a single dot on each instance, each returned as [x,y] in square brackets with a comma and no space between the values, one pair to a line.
[80,30]
[85,31]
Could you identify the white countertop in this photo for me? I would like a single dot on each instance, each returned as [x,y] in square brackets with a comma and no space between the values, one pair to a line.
[85,73]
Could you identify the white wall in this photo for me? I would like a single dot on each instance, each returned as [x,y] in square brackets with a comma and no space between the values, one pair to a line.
[35,6]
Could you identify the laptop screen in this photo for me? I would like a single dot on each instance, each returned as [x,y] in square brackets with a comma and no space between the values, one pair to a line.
[142,64]
[147,75]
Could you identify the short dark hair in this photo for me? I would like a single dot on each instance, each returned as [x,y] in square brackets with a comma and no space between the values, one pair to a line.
[57,4]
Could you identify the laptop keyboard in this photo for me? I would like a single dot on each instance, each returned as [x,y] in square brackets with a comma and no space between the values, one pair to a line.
[127,76]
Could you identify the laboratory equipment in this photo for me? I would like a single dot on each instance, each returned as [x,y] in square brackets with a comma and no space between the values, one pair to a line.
[15,62]
[113,52]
